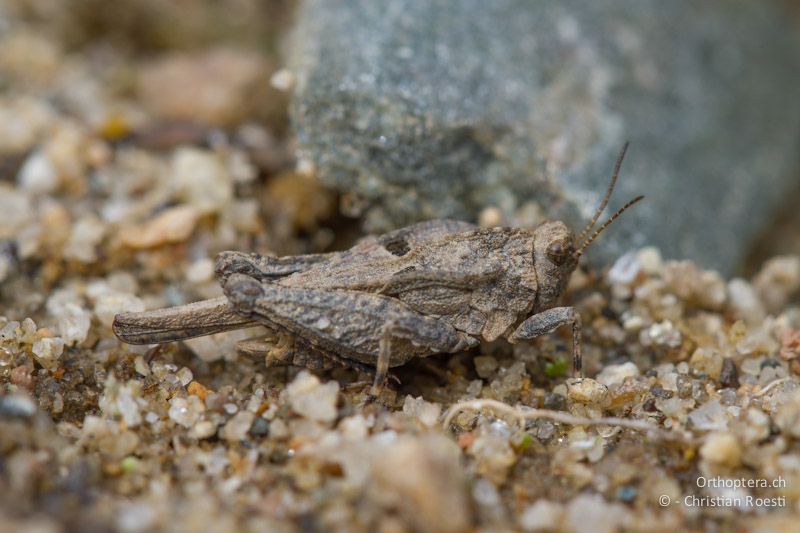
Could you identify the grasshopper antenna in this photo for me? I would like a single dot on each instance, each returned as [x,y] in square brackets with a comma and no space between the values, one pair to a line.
[610,190]
[606,224]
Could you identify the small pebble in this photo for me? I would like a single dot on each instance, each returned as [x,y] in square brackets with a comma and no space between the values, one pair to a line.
[704,288]
[588,391]
[21,376]
[17,406]
[632,323]
[282,79]
[73,320]
[707,361]
[663,333]
[659,391]
[184,376]
[752,366]
[777,281]
[493,453]
[424,479]
[48,351]
[488,499]
[260,427]
[237,427]
[758,425]
[787,417]
[650,260]
[172,225]
[311,399]
[278,429]
[729,374]
[545,430]
[490,217]
[728,397]
[84,238]
[200,271]
[109,303]
[38,175]
[555,401]
[590,512]
[485,366]
[426,412]
[197,389]
[541,516]
[625,269]
[672,407]
[722,449]
[141,367]
[226,85]
[203,429]
[626,493]
[186,411]
[615,374]
[219,345]
[200,180]
[354,428]
[745,302]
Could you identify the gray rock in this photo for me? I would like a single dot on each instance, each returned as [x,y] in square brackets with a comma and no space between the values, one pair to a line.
[423,109]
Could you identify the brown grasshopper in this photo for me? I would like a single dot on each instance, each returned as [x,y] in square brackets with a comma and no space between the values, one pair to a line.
[435,287]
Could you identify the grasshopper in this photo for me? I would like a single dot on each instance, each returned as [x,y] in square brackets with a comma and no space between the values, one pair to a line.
[434,287]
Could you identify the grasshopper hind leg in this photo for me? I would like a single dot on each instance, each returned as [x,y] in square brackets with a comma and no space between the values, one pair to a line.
[263,267]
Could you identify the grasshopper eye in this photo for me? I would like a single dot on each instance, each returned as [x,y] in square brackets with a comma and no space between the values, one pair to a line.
[558,252]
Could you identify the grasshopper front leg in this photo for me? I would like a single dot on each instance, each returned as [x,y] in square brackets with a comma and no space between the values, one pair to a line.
[548,321]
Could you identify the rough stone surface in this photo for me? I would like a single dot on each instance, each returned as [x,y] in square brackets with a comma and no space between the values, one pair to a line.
[432,109]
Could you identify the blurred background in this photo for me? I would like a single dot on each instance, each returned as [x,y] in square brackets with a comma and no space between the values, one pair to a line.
[112,116]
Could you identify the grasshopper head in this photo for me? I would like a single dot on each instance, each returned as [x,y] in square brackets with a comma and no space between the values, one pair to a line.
[556,250]
[554,260]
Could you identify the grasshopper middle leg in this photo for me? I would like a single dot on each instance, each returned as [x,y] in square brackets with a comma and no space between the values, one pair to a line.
[284,349]
[437,335]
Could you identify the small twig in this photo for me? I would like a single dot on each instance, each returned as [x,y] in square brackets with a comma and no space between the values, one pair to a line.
[771,385]
[529,413]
